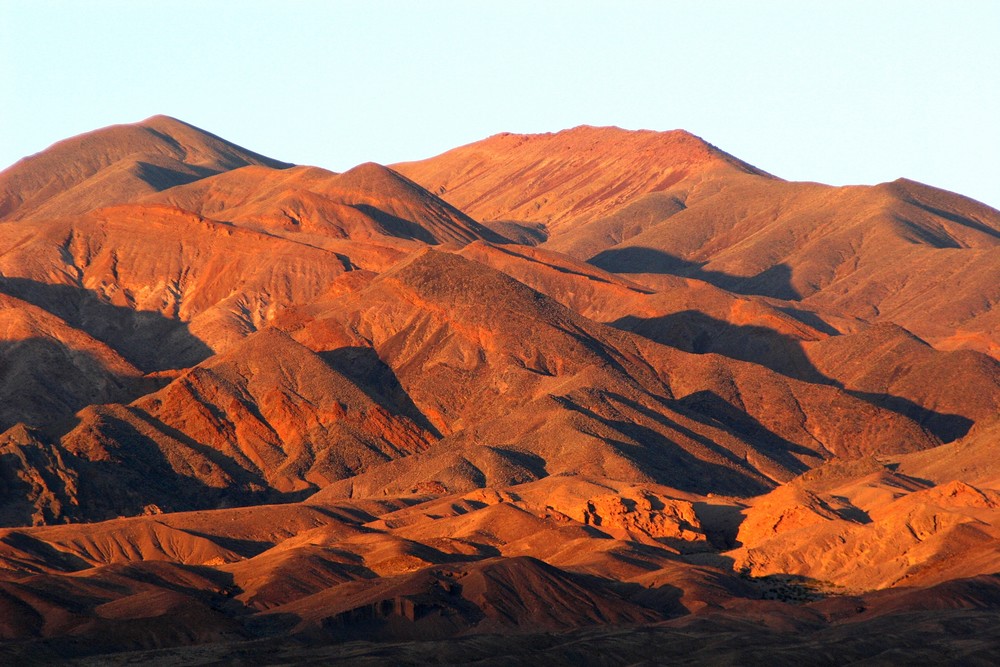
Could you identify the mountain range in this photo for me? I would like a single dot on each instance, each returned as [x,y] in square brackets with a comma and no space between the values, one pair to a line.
[610,393]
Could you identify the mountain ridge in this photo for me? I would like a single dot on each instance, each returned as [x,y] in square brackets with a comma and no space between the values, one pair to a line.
[598,390]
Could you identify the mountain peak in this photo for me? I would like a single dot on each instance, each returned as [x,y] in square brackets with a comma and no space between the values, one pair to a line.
[117,164]
[374,176]
[160,120]
[676,145]
[569,176]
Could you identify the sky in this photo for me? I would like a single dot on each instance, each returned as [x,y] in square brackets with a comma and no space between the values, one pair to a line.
[837,92]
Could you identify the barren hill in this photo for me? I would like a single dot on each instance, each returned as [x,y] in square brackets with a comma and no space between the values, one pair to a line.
[647,203]
[565,179]
[365,202]
[116,165]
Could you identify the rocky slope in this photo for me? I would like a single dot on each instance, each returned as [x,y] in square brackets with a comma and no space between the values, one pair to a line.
[669,204]
[607,391]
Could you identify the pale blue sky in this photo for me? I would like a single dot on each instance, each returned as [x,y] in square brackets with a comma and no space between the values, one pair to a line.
[838,92]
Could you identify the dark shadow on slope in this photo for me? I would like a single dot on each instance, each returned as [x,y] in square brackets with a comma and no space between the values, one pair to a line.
[416,616]
[395,226]
[230,155]
[44,382]
[518,233]
[954,217]
[35,484]
[698,333]
[204,614]
[709,408]
[849,512]
[362,366]
[592,276]
[45,552]
[810,319]
[774,282]
[147,339]
[163,178]
[721,523]
[947,427]
[131,472]
[245,548]
[664,599]
[920,234]
[668,463]
[152,574]
[534,464]
[237,472]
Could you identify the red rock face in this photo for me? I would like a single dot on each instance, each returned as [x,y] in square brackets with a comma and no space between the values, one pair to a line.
[614,392]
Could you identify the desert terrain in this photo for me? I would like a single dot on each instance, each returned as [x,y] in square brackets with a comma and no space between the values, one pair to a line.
[590,397]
